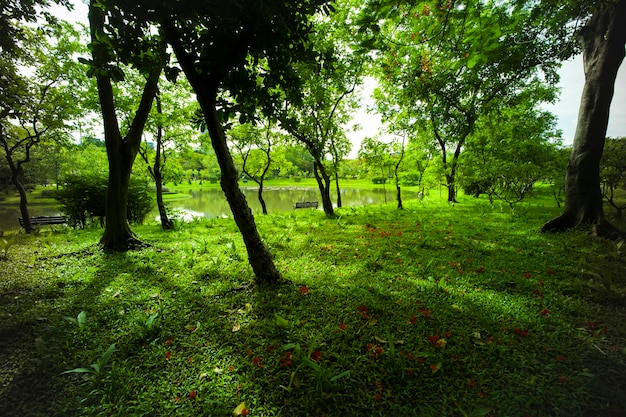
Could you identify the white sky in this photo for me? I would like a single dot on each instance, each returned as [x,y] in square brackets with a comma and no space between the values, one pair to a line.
[566,109]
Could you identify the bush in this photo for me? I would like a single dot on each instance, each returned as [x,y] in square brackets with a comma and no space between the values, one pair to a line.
[410,179]
[379,180]
[83,199]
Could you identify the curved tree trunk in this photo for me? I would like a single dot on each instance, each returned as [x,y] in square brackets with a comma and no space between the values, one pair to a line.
[166,222]
[259,256]
[339,203]
[15,178]
[323,182]
[206,88]
[261,199]
[602,40]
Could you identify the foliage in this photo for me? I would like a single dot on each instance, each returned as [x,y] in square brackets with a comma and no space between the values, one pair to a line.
[509,152]
[613,173]
[488,49]
[83,199]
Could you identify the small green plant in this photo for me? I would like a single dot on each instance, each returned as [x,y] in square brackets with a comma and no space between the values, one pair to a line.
[96,369]
[79,321]
[4,248]
[149,326]
[325,378]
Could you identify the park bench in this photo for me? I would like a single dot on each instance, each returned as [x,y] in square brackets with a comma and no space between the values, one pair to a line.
[44,220]
[305,204]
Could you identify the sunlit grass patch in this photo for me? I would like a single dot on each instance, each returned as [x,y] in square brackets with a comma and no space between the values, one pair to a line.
[432,310]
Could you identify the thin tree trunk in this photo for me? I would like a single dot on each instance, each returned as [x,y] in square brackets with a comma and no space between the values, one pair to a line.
[338,190]
[28,227]
[602,40]
[260,194]
[166,222]
[323,182]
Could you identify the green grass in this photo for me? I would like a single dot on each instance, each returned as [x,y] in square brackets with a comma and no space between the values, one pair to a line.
[430,311]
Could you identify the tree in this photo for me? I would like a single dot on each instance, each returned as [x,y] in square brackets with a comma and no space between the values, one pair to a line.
[254,146]
[602,39]
[111,33]
[509,152]
[233,64]
[377,155]
[37,107]
[449,63]
[316,120]
[170,126]
[12,13]
[613,173]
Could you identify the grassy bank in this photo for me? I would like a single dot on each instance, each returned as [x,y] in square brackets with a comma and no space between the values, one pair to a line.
[434,310]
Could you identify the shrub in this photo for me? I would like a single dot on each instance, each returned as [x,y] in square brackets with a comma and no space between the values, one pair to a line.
[379,180]
[83,199]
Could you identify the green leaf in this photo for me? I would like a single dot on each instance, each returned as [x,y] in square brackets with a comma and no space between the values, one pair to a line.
[340,375]
[79,371]
[480,410]
[106,356]
[281,322]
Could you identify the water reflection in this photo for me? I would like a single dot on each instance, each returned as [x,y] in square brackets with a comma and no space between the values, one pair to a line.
[211,202]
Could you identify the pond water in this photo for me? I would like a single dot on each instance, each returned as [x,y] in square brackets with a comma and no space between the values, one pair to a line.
[210,203]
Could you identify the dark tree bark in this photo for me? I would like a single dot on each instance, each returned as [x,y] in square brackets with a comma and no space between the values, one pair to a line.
[397,178]
[15,178]
[602,40]
[121,151]
[339,203]
[15,167]
[323,182]
[155,170]
[206,87]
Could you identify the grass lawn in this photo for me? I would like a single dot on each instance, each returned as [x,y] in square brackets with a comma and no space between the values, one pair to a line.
[430,311]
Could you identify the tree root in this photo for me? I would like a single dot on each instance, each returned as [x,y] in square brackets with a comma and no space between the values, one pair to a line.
[602,229]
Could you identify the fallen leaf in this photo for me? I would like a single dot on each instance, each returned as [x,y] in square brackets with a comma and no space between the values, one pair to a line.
[236,327]
[241,410]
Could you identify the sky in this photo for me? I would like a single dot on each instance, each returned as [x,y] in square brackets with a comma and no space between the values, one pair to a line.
[566,108]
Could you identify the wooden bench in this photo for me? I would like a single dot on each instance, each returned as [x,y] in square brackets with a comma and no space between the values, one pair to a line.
[305,204]
[44,220]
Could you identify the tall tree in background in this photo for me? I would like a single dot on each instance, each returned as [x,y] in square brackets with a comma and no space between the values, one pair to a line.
[317,120]
[171,124]
[255,145]
[117,40]
[40,106]
[602,40]
[451,62]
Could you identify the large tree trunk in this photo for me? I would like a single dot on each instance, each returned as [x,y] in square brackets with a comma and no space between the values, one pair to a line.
[602,40]
[451,186]
[121,151]
[117,235]
[206,89]
[259,256]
